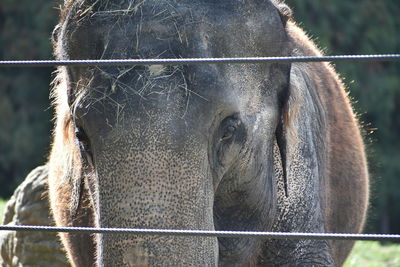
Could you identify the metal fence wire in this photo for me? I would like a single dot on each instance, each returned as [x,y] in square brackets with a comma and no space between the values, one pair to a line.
[191,61]
[187,61]
[205,233]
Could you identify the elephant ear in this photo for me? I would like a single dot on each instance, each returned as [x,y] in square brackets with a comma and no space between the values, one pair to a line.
[284,12]
[299,84]
[299,105]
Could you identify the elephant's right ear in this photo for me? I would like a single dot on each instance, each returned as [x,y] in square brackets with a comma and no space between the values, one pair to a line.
[299,81]
[290,102]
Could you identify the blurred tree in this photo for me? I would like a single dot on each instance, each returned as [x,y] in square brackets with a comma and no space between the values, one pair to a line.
[25,30]
[367,27]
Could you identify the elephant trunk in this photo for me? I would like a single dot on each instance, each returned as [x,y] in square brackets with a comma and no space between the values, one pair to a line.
[154,184]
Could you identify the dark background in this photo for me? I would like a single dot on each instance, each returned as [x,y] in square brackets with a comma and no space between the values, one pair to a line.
[338,26]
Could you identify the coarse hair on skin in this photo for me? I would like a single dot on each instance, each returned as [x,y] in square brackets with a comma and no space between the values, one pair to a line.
[284,10]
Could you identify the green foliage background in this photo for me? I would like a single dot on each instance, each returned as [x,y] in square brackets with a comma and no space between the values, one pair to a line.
[338,26]
[25,30]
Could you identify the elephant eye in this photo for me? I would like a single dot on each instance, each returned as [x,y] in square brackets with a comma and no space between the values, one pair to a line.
[82,139]
[230,138]
[228,133]
[84,146]
[230,127]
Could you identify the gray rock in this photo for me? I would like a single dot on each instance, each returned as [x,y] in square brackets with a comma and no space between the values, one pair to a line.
[29,206]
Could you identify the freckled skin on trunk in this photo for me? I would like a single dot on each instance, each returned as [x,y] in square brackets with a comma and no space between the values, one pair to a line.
[250,147]
[169,187]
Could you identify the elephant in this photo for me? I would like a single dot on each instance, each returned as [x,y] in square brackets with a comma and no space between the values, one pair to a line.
[250,147]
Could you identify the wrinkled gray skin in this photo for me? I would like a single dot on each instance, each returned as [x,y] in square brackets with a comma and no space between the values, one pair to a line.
[225,147]
[29,205]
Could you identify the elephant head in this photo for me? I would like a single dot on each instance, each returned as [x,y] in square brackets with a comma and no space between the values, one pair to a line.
[173,147]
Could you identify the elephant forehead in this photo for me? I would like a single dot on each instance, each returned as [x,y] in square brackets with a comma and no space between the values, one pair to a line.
[175,29]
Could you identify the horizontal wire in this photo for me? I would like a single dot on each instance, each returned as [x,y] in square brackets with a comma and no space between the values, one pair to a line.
[204,233]
[186,61]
